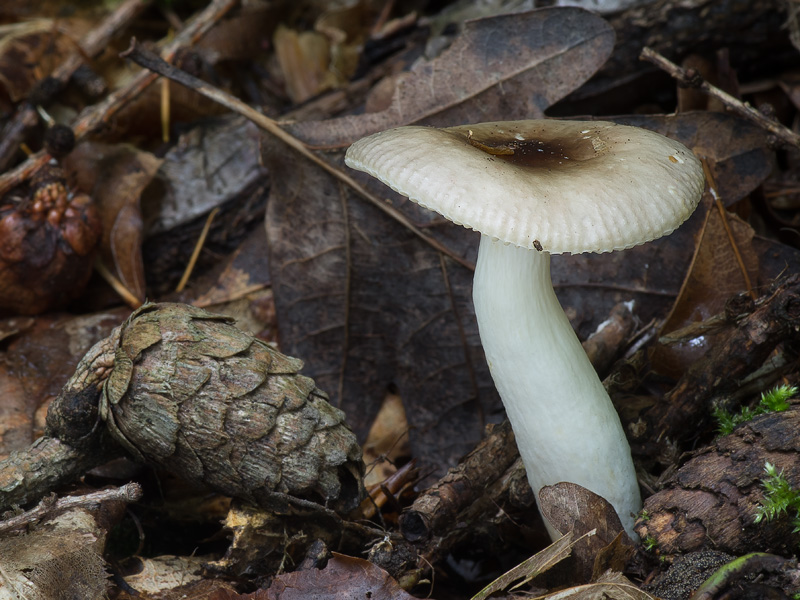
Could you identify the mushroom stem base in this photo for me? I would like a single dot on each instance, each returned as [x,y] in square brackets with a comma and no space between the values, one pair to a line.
[565,424]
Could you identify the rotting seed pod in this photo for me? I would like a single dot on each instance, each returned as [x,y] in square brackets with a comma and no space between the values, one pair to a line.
[47,244]
[185,390]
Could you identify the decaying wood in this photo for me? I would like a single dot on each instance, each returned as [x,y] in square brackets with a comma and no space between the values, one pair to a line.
[738,353]
[49,463]
[678,28]
[711,501]
[433,511]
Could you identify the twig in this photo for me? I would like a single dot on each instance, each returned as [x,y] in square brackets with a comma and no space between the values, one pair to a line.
[91,45]
[101,113]
[712,188]
[197,248]
[48,463]
[150,61]
[690,78]
[130,492]
[128,296]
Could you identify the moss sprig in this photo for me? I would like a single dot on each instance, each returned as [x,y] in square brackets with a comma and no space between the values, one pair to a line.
[780,498]
[774,400]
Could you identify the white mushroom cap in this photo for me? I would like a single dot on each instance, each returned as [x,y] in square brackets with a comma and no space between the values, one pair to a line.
[557,186]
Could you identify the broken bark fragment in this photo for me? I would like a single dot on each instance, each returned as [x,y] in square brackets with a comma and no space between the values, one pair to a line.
[712,500]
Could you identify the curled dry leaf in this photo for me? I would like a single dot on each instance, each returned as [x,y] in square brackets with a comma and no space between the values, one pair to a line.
[571,508]
[714,276]
[116,176]
[48,239]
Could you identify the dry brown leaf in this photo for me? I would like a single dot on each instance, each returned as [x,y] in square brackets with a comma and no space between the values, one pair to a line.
[115,177]
[713,277]
[512,66]
[304,58]
[152,576]
[569,507]
[344,578]
[61,558]
[386,441]
[202,589]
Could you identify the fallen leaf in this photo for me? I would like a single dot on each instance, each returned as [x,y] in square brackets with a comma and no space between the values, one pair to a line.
[209,165]
[304,58]
[150,576]
[714,276]
[115,177]
[569,507]
[344,578]
[61,558]
[510,66]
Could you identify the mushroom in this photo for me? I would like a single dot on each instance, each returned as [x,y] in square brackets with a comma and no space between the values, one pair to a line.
[532,189]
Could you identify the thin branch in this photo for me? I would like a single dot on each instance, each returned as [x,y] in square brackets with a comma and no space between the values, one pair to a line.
[690,78]
[130,492]
[150,61]
[101,113]
[91,45]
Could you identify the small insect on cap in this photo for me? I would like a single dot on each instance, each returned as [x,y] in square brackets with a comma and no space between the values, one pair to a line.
[557,186]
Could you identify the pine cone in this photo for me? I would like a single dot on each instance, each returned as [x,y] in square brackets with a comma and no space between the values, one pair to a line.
[189,392]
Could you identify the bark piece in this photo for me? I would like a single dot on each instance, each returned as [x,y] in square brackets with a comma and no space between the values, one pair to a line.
[432,512]
[711,501]
[737,353]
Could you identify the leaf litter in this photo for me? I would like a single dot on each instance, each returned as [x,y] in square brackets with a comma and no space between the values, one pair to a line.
[375,307]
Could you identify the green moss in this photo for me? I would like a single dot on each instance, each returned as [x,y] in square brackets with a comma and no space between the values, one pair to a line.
[780,498]
[775,400]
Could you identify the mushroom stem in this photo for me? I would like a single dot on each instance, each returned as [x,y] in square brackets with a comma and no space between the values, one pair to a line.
[565,424]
